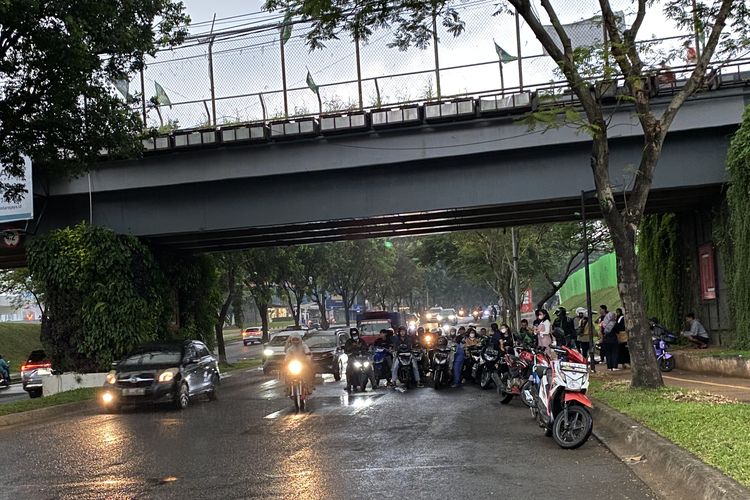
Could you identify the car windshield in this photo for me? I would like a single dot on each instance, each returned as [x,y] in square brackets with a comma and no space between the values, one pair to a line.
[37,356]
[448,312]
[373,327]
[321,341]
[170,355]
[278,340]
[435,310]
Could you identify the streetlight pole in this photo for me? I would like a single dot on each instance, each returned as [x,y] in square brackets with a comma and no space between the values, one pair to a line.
[514,242]
[588,280]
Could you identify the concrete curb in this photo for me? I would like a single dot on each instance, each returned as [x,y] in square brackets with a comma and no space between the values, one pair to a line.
[669,470]
[41,414]
[727,366]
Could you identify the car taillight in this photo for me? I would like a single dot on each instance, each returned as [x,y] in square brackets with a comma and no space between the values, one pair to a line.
[35,366]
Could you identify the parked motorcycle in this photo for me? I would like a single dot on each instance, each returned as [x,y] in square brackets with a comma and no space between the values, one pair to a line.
[360,372]
[561,407]
[664,358]
[441,370]
[514,375]
[380,367]
[295,381]
[487,368]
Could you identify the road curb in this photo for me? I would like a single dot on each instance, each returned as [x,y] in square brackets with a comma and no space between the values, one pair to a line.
[41,414]
[669,470]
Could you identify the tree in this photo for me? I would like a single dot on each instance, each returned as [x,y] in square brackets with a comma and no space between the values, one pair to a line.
[350,263]
[58,60]
[294,277]
[20,284]
[316,261]
[259,271]
[413,22]
[229,269]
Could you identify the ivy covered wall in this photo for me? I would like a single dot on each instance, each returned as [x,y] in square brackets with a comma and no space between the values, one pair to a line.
[107,293]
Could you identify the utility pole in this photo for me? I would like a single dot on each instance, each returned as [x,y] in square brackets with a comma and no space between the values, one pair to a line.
[514,242]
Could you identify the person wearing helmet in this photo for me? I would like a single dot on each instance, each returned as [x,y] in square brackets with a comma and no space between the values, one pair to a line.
[295,347]
[402,341]
[384,341]
[353,347]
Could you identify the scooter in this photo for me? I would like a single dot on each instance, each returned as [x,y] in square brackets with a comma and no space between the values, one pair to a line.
[664,358]
[296,386]
[441,370]
[561,407]
[487,368]
[4,381]
[473,357]
[360,372]
[380,367]
[514,375]
[405,374]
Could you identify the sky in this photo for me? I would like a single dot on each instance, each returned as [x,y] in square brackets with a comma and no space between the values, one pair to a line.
[251,65]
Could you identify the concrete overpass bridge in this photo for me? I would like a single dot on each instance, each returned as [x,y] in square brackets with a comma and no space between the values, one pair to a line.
[410,170]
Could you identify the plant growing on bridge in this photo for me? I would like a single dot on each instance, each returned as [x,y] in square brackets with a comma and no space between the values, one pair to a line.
[722,24]
[58,60]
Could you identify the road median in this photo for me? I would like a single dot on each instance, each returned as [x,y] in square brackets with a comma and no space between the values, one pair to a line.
[647,442]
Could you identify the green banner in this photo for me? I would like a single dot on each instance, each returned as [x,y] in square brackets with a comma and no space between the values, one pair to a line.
[603,275]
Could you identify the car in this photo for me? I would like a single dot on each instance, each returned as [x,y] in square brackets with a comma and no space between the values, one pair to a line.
[252,335]
[448,316]
[273,350]
[172,373]
[432,314]
[327,346]
[37,366]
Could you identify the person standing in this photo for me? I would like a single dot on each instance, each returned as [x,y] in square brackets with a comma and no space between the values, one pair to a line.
[623,354]
[610,345]
[494,312]
[543,330]
[583,331]
[458,361]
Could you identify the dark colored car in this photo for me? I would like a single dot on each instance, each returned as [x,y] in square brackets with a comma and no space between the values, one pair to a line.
[37,366]
[162,373]
[326,347]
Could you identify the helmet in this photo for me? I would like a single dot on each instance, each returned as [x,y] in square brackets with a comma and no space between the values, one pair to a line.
[580,310]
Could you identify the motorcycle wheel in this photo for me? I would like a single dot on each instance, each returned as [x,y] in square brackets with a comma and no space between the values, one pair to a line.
[580,425]
[528,386]
[505,397]
[485,379]
[666,365]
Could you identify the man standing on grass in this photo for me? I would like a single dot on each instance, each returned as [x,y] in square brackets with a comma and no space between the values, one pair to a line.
[697,334]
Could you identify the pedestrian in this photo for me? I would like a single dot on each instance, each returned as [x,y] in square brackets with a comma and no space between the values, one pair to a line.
[494,312]
[623,353]
[543,330]
[458,361]
[610,345]
[697,334]
[583,332]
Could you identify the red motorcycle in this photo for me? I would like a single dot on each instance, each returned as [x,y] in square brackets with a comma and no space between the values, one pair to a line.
[515,372]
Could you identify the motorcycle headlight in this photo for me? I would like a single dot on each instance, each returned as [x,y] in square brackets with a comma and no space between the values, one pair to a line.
[440,317]
[357,364]
[294,367]
[267,353]
[412,324]
[167,375]
[428,339]
[111,377]
[452,317]
[366,364]
[428,315]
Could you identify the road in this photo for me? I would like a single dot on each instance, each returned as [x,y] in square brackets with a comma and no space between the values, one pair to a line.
[457,443]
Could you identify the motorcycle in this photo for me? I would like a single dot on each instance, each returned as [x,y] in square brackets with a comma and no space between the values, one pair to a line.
[4,382]
[514,377]
[360,372]
[561,406]
[422,362]
[295,381]
[380,367]
[664,358]
[405,374]
[441,370]
[487,367]
[473,357]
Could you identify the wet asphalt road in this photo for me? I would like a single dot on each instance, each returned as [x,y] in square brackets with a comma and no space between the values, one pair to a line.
[457,443]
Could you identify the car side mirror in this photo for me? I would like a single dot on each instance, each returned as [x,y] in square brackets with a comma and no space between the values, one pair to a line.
[191,361]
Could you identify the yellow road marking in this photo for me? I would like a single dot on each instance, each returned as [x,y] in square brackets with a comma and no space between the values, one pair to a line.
[707,383]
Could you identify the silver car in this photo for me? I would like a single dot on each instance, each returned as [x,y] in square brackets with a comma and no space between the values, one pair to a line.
[37,366]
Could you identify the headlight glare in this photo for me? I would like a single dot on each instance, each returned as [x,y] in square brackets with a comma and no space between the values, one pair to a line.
[357,364]
[167,375]
[295,367]
[267,353]
[111,377]
[366,364]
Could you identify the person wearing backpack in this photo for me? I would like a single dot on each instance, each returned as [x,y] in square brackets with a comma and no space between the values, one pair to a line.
[623,353]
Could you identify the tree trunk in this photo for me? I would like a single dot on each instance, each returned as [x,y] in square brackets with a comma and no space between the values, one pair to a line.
[299,311]
[219,327]
[290,303]
[646,372]
[345,300]
[322,310]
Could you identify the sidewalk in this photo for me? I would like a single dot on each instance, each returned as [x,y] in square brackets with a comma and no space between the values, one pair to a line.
[729,387]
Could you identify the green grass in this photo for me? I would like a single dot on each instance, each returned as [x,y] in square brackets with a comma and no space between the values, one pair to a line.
[241,365]
[608,296]
[17,340]
[710,427]
[54,400]
[724,353]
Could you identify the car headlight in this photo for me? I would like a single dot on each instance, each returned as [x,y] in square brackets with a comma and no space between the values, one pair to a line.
[111,377]
[107,397]
[267,353]
[412,324]
[440,317]
[452,317]
[357,364]
[366,364]
[295,367]
[167,375]
[428,315]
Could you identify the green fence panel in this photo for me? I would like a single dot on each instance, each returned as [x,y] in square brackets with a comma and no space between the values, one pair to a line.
[603,275]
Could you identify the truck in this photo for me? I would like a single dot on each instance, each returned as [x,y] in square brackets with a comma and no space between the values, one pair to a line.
[370,323]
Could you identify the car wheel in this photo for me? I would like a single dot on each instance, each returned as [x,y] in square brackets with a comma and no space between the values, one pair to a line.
[182,397]
[214,386]
[35,393]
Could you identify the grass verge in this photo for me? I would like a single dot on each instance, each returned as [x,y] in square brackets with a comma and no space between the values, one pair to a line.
[722,353]
[17,340]
[54,400]
[241,365]
[713,428]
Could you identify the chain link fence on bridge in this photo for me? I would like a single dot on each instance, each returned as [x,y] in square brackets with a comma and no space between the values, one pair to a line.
[247,68]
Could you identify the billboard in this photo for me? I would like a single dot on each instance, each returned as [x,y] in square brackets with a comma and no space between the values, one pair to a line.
[23,209]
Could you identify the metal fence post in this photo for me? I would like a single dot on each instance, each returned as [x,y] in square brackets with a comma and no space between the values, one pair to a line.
[143,95]
[518,54]
[437,58]
[359,70]
[283,78]
[212,118]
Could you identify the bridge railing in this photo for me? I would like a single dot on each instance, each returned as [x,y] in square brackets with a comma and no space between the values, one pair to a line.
[226,79]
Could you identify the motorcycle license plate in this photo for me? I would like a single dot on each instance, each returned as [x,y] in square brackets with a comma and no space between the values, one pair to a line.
[138,391]
[574,367]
